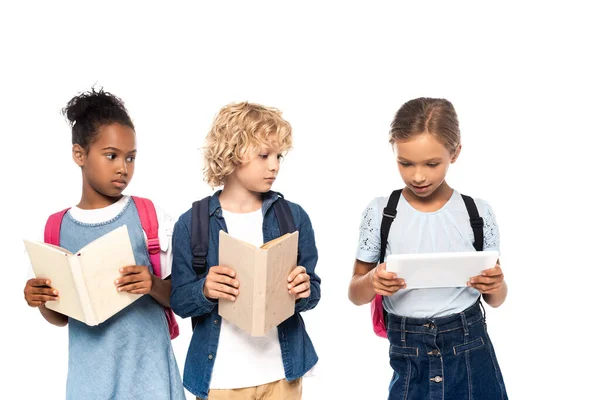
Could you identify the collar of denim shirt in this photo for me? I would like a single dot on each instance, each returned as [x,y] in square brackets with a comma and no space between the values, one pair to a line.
[214,207]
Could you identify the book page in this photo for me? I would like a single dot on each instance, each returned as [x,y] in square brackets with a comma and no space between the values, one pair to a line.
[52,263]
[241,257]
[100,262]
[275,241]
[282,258]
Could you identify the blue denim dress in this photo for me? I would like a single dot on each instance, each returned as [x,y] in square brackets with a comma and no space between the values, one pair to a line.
[129,356]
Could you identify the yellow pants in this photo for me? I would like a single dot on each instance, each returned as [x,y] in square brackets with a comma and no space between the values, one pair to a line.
[278,390]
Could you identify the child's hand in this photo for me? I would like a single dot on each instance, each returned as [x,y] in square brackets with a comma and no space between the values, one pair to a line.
[135,279]
[38,292]
[489,281]
[299,283]
[386,283]
[220,283]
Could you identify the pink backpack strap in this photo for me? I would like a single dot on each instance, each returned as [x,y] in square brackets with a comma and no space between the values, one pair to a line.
[149,220]
[52,229]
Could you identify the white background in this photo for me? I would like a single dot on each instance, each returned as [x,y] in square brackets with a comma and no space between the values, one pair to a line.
[524,81]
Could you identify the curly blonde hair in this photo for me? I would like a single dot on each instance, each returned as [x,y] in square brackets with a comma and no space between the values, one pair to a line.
[238,131]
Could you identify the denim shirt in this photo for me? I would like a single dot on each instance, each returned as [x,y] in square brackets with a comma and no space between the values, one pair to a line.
[188,300]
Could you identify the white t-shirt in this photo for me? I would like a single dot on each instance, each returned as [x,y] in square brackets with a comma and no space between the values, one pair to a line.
[243,360]
[98,215]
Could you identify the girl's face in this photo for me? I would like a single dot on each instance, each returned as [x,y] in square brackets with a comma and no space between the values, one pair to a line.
[109,163]
[423,162]
[258,173]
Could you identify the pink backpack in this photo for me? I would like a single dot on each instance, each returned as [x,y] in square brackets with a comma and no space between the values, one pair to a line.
[149,220]
[378,313]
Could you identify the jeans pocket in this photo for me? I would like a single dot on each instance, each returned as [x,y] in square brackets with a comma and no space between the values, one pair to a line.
[403,351]
[473,344]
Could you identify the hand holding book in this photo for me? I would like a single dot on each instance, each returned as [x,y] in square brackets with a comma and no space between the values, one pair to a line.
[38,291]
[299,284]
[135,279]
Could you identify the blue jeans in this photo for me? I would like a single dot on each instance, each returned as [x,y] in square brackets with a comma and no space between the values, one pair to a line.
[446,358]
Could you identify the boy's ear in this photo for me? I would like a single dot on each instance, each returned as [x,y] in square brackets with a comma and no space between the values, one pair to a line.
[78,154]
[456,154]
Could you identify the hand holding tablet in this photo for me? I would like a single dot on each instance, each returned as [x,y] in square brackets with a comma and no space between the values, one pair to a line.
[434,270]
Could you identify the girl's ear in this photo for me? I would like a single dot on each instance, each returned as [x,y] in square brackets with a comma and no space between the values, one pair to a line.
[456,154]
[78,154]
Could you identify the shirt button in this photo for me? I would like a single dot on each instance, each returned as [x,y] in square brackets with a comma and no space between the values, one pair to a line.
[210,356]
[216,321]
[437,379]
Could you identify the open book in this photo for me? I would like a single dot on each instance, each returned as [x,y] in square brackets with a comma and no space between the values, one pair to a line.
[85,280]
[263,301]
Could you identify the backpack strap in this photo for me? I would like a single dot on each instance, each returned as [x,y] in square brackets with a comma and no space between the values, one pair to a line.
[200,232]
[52,229]
[149,220]
[283,215]
[200,236]
[476,221]
[389,214]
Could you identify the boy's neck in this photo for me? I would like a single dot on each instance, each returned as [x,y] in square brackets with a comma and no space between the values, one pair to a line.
[237,199]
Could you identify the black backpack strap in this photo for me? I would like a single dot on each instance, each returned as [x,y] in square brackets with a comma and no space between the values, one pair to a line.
[389,214]
[200,232]
[284,217]
[476,222]
[200,225]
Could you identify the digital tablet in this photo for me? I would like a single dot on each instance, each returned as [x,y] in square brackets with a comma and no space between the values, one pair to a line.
[435,270]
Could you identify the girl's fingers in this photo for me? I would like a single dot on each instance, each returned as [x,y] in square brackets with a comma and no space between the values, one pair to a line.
[133,286]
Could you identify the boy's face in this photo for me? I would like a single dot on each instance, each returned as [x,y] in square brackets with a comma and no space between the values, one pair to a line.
[423,162]
[259,171]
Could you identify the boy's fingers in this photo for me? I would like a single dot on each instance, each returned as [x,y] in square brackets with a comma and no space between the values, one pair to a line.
[295,272]
[219,287]
[222,270]
[225,279]
[215,294]
[298,280]
[300,288]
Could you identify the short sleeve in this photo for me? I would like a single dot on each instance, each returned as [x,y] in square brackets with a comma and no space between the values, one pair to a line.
[491,234]
[165,236]
[369,242]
